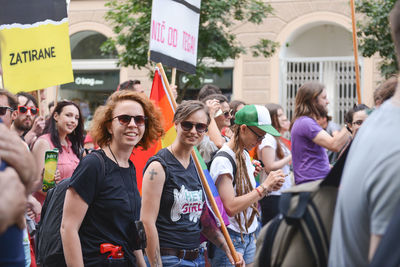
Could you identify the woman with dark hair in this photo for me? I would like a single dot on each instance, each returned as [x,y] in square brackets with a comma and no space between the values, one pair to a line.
[274,154]
[64,131]
[238,190]
[173,211]
[310,160]
[102,203]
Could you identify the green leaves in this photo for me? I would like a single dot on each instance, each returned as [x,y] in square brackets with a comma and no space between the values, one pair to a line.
[374,33]
[131,23]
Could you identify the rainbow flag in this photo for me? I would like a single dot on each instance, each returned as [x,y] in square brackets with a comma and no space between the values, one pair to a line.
[161,98]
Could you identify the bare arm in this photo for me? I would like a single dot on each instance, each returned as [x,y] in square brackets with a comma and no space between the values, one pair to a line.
[12,199]
[212,233]
[335,143]
[213,132]
[268,155]
[75,209]
[38,151]
[139,258]
[17,155]
[373,245]
[153,183]
[235,204]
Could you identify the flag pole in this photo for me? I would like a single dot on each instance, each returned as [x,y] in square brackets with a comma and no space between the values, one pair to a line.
[202,177]
[355,49]
[173,76]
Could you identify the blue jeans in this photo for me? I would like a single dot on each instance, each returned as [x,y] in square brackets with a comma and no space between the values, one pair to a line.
[172,261]
[246,248]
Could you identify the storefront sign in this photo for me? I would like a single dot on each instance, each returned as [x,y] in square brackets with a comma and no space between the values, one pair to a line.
[174,33]
[34,38]
[94,81]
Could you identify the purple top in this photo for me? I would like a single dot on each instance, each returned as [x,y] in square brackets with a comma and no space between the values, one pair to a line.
[310,161]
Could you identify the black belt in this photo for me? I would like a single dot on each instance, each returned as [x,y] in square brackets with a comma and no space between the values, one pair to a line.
[185,254]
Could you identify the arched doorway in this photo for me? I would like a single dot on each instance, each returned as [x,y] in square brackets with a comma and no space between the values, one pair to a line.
[319,52]
[96,75]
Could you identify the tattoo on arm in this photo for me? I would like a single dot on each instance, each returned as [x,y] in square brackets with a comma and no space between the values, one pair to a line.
[152,172]
[157,258]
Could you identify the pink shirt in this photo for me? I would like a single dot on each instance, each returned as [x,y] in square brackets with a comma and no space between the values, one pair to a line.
[67,162]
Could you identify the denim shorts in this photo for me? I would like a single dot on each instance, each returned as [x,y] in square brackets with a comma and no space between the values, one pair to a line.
[172,261]
[246,248]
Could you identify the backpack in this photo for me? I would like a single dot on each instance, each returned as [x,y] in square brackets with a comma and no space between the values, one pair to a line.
[300,234]
[49,249]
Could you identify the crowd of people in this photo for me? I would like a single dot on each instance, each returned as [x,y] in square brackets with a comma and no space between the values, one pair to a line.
[106,222]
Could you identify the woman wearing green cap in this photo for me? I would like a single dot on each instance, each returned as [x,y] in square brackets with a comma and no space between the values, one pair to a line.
[237,189]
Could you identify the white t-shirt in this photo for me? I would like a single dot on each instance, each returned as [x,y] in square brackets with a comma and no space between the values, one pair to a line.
[270,141]
[222,165]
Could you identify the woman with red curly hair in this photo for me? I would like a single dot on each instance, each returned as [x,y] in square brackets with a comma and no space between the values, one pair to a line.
[102,204]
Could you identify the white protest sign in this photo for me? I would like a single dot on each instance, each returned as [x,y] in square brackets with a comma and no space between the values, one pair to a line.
[174,33]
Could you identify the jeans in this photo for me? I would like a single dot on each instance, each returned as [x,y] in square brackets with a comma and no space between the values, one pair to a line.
[172,261]
[246,248]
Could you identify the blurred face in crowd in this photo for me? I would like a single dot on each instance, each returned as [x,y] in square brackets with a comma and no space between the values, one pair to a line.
[128,124]
[322,100]
[358,118]
[284,123]
[138,88]
[251,136]
[6,114]
[224,120]
[25,118]
[67,120]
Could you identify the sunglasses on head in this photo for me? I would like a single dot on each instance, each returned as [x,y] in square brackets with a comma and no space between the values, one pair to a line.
[187,126]
[3,110]
[259,137]
[125,120]
[24,109]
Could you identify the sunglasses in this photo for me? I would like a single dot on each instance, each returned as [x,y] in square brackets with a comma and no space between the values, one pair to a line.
[200,127]
[3,110]
[125,120]
[259,137]
[24,109]
[228,113]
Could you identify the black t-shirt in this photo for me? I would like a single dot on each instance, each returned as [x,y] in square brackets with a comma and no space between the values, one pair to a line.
[181,204]
[111,213]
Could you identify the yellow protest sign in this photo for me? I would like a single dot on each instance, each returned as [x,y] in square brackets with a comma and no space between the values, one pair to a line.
[35,50]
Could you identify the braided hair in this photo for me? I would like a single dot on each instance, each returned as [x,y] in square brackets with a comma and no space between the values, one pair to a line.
[242,181]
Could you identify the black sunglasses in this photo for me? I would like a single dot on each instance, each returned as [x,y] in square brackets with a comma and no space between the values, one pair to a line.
[3,110]
[125,120]
[24,109]
[259,137]
[228,113]
[187,126]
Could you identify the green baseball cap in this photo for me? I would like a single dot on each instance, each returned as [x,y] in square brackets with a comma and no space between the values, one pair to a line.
[256,115]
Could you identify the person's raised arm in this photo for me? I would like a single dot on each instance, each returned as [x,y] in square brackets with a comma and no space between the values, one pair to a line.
[235,204]
[335,143]
[213,131]
[152,187]
[74,212]
[268,155]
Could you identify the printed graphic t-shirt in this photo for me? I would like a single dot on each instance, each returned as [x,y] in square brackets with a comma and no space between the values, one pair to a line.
[181,204]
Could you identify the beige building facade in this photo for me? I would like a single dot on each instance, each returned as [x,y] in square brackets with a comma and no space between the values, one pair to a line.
[315,44]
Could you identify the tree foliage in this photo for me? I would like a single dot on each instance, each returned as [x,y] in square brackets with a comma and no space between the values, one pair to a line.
[131,23]
[374,33]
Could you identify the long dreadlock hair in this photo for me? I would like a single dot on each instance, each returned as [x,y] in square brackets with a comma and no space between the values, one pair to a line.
[242,181]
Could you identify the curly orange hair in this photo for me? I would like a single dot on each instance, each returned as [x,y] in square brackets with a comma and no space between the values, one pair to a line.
[103,115]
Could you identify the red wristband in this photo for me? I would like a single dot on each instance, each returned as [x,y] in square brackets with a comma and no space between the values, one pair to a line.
[258,191]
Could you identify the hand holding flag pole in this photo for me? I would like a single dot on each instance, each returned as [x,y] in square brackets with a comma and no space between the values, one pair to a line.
[202,176]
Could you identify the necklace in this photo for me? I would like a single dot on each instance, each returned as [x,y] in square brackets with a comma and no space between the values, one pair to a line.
[113,156]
